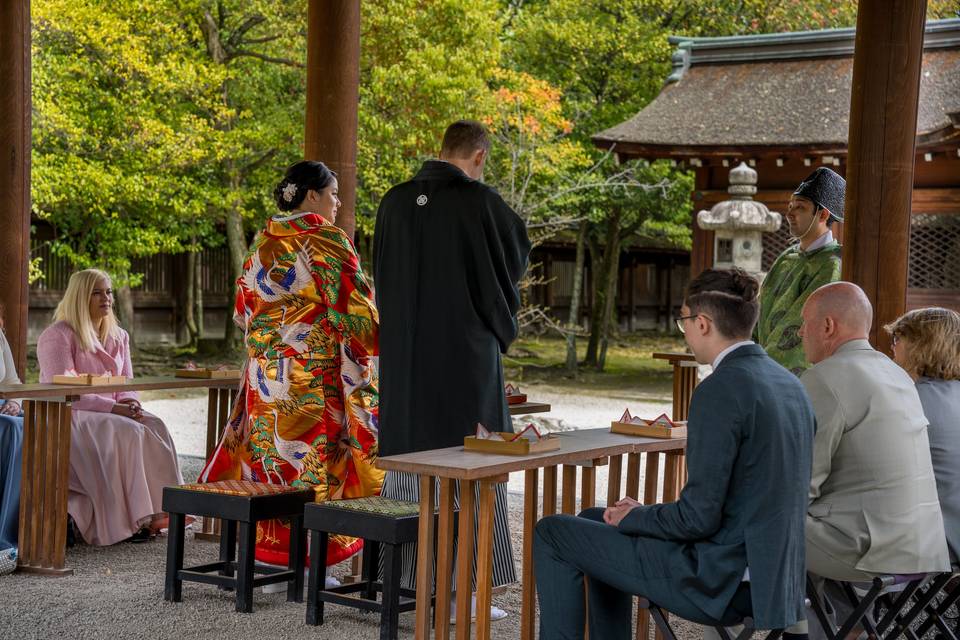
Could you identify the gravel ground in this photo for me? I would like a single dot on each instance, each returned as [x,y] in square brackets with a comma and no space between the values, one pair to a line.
[117,592]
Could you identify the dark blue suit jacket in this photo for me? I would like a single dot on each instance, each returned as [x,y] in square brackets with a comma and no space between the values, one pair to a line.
[749,447]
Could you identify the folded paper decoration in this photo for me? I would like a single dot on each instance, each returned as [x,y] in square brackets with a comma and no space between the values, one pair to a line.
[659,427]
[529,440]
[514,395]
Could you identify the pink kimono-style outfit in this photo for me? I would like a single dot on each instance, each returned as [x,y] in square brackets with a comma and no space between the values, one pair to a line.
[118,466]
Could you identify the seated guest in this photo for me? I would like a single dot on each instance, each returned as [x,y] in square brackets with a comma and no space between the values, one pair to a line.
[749,444]
[873,499]
[926,343]
[11,438]
[121,457]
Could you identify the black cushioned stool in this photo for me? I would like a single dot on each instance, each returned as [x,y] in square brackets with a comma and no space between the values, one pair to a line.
[240,504]
[379,521]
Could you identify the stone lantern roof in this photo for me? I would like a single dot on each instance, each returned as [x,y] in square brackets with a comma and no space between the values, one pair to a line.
[741,212]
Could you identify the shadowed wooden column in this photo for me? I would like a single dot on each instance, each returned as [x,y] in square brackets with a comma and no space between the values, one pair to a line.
[882,139]
[15,172]
[333,94]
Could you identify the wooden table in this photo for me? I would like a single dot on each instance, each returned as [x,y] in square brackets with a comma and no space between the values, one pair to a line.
[46,456]
[486,470]
[523,408]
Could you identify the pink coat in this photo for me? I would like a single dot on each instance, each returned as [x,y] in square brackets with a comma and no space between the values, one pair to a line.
[59,351]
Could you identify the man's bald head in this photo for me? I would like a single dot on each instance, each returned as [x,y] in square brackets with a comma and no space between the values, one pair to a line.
[846,303]
[833,315]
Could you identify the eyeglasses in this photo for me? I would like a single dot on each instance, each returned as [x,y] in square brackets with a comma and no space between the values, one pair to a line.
[894,339]
[679,320]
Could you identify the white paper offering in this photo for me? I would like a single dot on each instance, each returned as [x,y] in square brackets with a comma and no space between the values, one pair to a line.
[529,433]
[485,434]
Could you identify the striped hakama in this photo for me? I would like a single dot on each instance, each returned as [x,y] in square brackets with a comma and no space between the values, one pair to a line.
[406,486]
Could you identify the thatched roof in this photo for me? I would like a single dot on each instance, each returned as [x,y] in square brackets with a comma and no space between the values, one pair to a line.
[773,91]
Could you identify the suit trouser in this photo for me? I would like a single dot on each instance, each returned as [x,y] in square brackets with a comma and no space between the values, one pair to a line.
[566,549]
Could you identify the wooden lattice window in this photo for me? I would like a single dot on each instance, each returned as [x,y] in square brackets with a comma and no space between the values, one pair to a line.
[934,252]
[774,243]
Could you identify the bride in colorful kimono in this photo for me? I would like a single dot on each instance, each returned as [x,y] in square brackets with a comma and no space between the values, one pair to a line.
[306,414]
[121,457]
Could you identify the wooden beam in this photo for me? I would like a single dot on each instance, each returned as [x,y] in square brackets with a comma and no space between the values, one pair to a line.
[882,140]
[15,173]
[333,95]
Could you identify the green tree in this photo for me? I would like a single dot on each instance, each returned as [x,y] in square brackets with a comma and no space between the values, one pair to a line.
[115,137]
[256,49]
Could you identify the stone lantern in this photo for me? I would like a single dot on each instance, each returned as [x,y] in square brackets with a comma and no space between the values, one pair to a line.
[739,224]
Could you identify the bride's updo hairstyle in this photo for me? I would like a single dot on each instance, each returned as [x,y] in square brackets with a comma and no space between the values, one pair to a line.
[300,178]
[728,297]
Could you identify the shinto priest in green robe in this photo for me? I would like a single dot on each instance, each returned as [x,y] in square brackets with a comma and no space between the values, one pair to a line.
[797,273]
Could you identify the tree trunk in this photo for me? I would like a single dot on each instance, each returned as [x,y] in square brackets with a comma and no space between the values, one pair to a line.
[125,309]
[198,296]
[573,319]
[610,298]
[190,306]
[237,247]
[597,260]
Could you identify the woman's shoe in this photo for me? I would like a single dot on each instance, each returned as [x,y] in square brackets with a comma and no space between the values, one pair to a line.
[142,535]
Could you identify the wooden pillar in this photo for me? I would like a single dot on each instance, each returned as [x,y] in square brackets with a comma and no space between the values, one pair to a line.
[883,125]
[333,94]
[15,172]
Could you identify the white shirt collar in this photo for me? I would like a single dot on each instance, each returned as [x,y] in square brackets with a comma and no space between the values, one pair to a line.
[723,354]
[820,242]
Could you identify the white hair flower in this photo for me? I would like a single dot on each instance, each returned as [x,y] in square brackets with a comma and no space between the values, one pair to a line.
[289,191]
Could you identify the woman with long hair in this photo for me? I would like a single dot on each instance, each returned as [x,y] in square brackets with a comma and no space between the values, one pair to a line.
[307,411]
[121,457]
[926,343]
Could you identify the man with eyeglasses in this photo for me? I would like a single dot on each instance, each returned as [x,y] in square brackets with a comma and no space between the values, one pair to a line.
[732,545]
[811,262]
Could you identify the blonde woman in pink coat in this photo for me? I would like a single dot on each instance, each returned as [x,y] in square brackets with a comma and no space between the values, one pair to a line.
[121,457]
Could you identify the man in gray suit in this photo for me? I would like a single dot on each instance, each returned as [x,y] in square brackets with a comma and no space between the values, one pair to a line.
[873,497]
[749,444]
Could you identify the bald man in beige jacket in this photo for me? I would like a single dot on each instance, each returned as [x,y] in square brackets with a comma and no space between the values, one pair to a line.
[873,497]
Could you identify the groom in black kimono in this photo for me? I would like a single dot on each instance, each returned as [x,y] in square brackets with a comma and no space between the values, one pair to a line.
[448,256]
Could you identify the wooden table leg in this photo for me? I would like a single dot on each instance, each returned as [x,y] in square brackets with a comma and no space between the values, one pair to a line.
[588,487]
[425,559]
[633,475]
[219,403]
[651,478]
[441,610]
[465,545]
[671,477]
[569,498]
[485,558]
[549,490]
[527,578]
[613,479]
[45,467]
